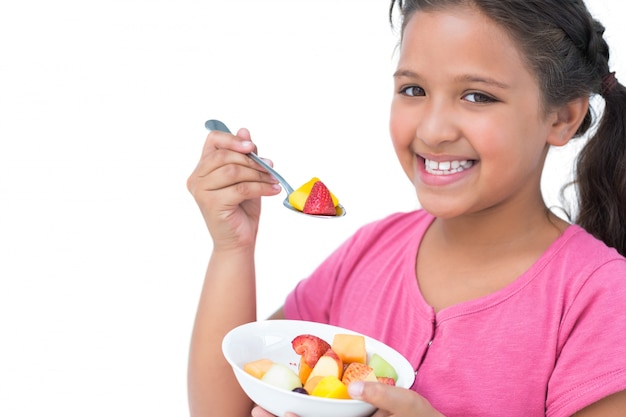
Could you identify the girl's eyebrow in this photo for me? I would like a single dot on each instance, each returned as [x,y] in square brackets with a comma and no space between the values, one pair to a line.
[405,73]
[483,80]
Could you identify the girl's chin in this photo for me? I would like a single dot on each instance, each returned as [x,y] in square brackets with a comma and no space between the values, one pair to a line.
[440,206]
[442,214]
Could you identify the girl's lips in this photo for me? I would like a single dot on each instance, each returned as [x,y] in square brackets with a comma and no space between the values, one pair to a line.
[443,172]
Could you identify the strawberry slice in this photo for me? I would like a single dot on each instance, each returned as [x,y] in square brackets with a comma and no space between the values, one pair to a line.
[310,347]
[319,201]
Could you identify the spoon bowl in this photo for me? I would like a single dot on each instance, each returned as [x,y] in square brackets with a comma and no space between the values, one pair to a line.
[217,125]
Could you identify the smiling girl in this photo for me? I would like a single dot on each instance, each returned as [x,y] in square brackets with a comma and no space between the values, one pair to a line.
[502,307]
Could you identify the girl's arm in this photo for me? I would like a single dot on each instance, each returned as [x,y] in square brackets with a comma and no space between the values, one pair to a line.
[227,300]
[227,186]
[612,406]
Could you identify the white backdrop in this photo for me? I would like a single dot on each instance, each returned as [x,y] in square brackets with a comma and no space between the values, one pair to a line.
[102,249]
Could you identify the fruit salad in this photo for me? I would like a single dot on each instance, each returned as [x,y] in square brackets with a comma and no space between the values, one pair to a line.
[314,198]
[325,369]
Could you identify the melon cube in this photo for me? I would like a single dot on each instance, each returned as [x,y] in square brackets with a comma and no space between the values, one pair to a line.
[382,368]
[258,368]
[350,347]
[312,383]
[304,370]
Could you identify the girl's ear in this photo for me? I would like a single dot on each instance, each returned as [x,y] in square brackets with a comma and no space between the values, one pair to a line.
[568,119]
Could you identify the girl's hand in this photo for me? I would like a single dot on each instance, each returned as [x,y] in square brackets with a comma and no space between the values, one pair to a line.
[392,401]
[227,186]
[260,412]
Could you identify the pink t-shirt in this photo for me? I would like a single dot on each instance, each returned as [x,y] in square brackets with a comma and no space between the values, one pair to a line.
[548,344]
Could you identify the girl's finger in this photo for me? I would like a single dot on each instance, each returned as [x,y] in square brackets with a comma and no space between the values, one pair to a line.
[221,158]
[231,175]
[394,400]
[259,412]
[221,140]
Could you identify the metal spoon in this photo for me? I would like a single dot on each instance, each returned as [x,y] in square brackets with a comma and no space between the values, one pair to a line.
[217,125]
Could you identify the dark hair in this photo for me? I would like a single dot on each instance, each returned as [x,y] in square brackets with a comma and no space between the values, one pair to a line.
[564,46]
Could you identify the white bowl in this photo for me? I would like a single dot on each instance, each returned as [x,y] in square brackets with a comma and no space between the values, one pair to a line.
[271,339]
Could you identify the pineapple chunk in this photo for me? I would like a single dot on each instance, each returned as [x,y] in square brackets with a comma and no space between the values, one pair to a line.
[331,387]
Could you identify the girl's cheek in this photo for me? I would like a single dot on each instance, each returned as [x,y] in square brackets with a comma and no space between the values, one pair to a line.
[401,130]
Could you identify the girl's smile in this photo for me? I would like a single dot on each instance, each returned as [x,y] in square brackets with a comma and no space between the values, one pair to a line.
[446,167]
[438,171]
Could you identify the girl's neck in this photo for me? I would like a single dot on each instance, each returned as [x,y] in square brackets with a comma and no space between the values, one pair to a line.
[500,229]
[466,258]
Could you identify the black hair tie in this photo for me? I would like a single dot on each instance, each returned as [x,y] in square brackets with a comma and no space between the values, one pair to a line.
[608,83]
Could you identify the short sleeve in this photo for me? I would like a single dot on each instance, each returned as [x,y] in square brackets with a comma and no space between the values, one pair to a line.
[591,361]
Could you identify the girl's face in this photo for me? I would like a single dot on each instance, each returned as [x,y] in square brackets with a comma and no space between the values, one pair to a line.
[466,119]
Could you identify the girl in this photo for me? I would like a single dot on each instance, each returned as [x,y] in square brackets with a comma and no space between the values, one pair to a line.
[502,307]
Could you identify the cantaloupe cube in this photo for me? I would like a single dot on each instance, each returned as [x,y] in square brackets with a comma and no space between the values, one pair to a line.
[304,370]
[258,368]
[350,347]
[312,383]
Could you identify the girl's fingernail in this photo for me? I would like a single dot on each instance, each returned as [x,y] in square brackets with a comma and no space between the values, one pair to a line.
[355,389]
[246,144]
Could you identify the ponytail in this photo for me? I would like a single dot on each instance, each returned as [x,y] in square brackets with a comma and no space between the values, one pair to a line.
[601,171]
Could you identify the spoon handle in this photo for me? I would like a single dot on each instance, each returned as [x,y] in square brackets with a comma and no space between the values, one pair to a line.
[217,125]
[275,174]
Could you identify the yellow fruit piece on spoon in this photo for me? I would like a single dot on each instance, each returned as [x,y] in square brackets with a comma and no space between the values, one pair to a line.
[298,198]
[331,387]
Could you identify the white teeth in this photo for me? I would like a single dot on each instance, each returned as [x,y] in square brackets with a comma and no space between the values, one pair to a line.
[446,167]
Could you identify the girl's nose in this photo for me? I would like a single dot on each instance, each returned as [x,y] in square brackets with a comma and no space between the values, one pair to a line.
[437,124]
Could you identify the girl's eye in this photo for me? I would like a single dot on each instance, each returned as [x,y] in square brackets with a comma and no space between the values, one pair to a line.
[412,91]
[479,98]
